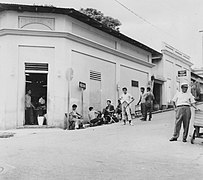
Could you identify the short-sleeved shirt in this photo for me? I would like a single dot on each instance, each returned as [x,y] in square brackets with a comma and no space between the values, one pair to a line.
[92,114]
[28,103]
[149,97]
[181,98]
[143,97]
[74,114]
[126,98]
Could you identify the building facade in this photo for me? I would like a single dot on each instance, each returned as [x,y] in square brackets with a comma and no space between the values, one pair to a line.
[51,50]
[170,71]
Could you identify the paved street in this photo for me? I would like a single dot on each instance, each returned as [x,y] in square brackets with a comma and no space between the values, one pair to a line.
[139,152]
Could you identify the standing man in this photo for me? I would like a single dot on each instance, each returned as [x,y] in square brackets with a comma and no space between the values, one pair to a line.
[142,101]
[149,98]
[29,116]
[181,103]
[126,99]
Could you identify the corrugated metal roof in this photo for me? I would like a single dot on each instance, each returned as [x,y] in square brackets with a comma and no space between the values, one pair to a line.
[79,16]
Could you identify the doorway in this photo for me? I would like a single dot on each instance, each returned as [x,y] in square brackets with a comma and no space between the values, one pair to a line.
[36,83]
[157,91]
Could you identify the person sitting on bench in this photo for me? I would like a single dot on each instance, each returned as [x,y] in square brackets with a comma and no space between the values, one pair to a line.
[75,119]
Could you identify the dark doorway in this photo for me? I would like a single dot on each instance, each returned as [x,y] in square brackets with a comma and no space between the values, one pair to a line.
[157,91]
[37,83]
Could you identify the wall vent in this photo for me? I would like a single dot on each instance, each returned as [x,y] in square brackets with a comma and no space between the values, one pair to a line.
[95,75]
[36,66]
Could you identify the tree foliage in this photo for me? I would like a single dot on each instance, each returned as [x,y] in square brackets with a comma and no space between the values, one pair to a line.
[99,16]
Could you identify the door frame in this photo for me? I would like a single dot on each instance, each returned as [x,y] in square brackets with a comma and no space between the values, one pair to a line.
[35,72]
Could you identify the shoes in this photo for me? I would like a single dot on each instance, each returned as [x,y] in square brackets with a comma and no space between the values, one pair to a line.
[184,140]
[142,119]
[173,139]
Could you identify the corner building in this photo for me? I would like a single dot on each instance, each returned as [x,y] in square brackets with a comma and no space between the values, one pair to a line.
[39,46]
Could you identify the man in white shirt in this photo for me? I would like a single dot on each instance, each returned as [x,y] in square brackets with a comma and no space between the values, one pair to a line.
[126,99]
[182,102]
[29,116]
[94,118]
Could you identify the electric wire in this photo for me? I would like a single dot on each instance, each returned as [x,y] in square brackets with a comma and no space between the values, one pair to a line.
[143,19]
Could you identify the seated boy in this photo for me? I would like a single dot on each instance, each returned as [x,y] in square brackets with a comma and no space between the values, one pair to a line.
[75,119]
[94,118]
[108,113]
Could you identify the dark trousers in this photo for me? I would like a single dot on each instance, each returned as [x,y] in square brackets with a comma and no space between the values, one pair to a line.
[148,108]
[183,115]
[143,109]
[97,121]
[29,116]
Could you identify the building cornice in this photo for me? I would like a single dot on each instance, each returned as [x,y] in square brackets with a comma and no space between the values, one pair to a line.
[79,16]
[164,51]
[76,38]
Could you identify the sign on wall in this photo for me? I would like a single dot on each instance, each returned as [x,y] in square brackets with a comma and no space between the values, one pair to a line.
[82,85]
[182,73]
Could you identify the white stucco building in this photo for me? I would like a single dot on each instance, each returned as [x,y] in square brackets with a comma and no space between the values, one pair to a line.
[40,45]
[170,71]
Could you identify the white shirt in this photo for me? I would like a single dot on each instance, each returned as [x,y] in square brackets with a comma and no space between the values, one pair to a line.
[143,97]
[41,101]
[181,98]
[126,98]
[92,114]
[28,101]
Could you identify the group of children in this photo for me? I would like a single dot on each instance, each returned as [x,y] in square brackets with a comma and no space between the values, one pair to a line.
[108,115]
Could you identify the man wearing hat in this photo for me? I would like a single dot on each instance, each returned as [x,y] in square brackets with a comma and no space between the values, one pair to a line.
[181,103]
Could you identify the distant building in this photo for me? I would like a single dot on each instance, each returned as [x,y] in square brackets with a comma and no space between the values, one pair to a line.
[170,71]
[50,50]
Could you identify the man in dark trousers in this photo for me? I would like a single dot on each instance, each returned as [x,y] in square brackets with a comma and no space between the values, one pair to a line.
[29,109]
[142,101]
[182,102]
[149,98]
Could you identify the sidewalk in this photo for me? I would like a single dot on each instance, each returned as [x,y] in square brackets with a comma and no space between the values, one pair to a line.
[30,129]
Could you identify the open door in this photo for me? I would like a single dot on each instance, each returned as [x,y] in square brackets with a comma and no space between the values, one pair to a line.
[36,92]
